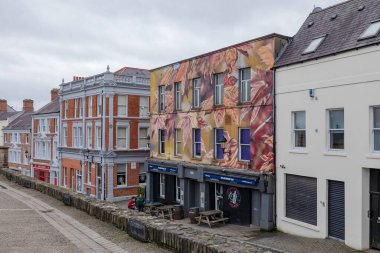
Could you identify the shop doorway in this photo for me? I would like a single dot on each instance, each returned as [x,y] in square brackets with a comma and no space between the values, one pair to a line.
[336,211]
[374,213]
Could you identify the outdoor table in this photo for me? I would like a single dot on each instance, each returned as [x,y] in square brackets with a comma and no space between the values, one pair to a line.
[211,217]
[166,211]
[151,208]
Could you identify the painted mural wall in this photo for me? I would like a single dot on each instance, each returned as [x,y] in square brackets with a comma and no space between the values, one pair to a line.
[257,114]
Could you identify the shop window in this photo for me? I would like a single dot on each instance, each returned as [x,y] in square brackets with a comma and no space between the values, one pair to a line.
[162,185]
[299,129]
[64,176]
[218,140]
[336,129]
[196,92]
[122,170]
[178,189]
[79,181]
[244,145]
[197,142]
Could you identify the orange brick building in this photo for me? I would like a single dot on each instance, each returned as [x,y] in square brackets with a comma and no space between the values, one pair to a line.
[104,133]
[45,139]
[17,139]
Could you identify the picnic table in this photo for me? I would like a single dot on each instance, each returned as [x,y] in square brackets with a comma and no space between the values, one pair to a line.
[211,217]
[151,208]
[166,211]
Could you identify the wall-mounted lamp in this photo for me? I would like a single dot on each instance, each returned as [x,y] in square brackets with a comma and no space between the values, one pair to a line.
[311,93]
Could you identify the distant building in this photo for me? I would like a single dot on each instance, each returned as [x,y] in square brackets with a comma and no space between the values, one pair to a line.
[7,114]
[328,126]
[45,140]
[17,139]
[104,133]
[212,132]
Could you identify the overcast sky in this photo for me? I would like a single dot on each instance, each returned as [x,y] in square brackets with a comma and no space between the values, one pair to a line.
[43,41]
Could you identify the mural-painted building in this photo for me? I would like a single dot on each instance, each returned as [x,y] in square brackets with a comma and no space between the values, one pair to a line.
[104,126]
[211,139]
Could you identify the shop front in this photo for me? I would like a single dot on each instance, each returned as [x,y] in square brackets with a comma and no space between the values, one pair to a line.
[42,172]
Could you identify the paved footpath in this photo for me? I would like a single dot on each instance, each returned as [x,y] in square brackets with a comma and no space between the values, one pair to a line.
[29,224]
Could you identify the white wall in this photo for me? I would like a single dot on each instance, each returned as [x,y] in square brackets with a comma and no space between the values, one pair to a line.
[350,81]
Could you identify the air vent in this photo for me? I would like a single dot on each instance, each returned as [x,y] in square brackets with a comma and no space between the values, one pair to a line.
[361,7]
[310,24]
[334,16]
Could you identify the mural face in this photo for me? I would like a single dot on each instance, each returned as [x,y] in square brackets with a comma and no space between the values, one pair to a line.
[219,75]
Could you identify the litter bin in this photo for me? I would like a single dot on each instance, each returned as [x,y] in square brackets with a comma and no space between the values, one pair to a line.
[178,212]
[193,212]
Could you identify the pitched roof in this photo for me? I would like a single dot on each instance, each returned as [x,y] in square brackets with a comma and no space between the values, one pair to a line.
[22,122]
[133,72]
[7,115]
[52,107]
[10,109]
[342,24]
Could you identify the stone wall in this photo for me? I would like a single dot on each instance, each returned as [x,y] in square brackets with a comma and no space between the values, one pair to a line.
[177,237]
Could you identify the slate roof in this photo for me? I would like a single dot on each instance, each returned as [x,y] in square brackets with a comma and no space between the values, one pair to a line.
[52,107]
[10,109]
[6,115]
[128,71]
[342,33]
[22,122]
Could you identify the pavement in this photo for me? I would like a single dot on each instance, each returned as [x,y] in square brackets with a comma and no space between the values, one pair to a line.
[272,240]
[34,222]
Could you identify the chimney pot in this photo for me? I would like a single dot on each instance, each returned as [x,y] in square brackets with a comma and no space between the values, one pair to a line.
[28,105]
[3,105]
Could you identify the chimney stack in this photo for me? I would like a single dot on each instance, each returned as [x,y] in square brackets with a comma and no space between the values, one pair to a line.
[3,105]
[28,105]
[77,78]
[54,94]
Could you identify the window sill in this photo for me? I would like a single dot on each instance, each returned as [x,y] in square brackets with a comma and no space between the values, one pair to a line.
[122,187]
[298,151]
[196,158]
[373,156]
[335,153]
[300,223]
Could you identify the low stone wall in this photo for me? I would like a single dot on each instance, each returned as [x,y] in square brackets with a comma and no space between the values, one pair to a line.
[177,237]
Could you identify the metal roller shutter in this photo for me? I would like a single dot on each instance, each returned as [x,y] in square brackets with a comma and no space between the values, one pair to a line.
[301,198]
[336,209]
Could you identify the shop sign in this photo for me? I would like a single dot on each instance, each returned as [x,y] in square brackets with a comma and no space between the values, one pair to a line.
[157,168]
[219,178]
[41,167]
[233,197]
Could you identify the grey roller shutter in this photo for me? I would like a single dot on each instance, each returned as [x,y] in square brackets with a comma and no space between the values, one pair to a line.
[301,198]
[336,209]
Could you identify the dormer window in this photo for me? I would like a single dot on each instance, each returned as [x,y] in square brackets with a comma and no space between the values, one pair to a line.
[314,44]
[372,30]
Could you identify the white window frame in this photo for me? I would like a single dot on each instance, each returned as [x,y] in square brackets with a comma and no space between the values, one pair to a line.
[216,143]
[245,86]
[80,107]
[89,173]
[80,136]
[144,137]
[177,142]
[120,106]
[75,136]
[98,136]
[178,189]
[121,138]
[240,145]
[162,185]
[373,129]
[64,136]
[66,108]
[144,107]
[89,109]
[197,142]
[294,130]
[161,98]
[89,136]
[76,108]
[79,181]
[330,130]
[56,125]
[65,176]
[218,88]
[196,92]
[126,175]
[178,96]
[99,105]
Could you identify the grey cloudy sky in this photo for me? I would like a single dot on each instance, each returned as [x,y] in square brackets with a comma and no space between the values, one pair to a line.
[43,41]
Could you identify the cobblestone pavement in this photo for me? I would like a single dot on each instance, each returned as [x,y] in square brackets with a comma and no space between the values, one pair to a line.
[33,222]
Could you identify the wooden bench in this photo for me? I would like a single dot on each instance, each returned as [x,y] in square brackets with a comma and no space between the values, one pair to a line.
[211,217]
[166,211]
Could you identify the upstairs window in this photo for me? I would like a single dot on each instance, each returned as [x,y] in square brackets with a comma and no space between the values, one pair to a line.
[299,129]
[314,44]
[122,137]
[218,89]
[161,140]
[76,108]
[143,137]
[100,105]
[245,87]
[244,147]
[372,31]
[336,129]
[161,98]
[89,137]
[144,106]
[98,137]
[66,108]
[196,92]
[376,129]
[122,105]
[177,96]
[218,139]
[80,107]
[196,142]
[178,142]
[89,106]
